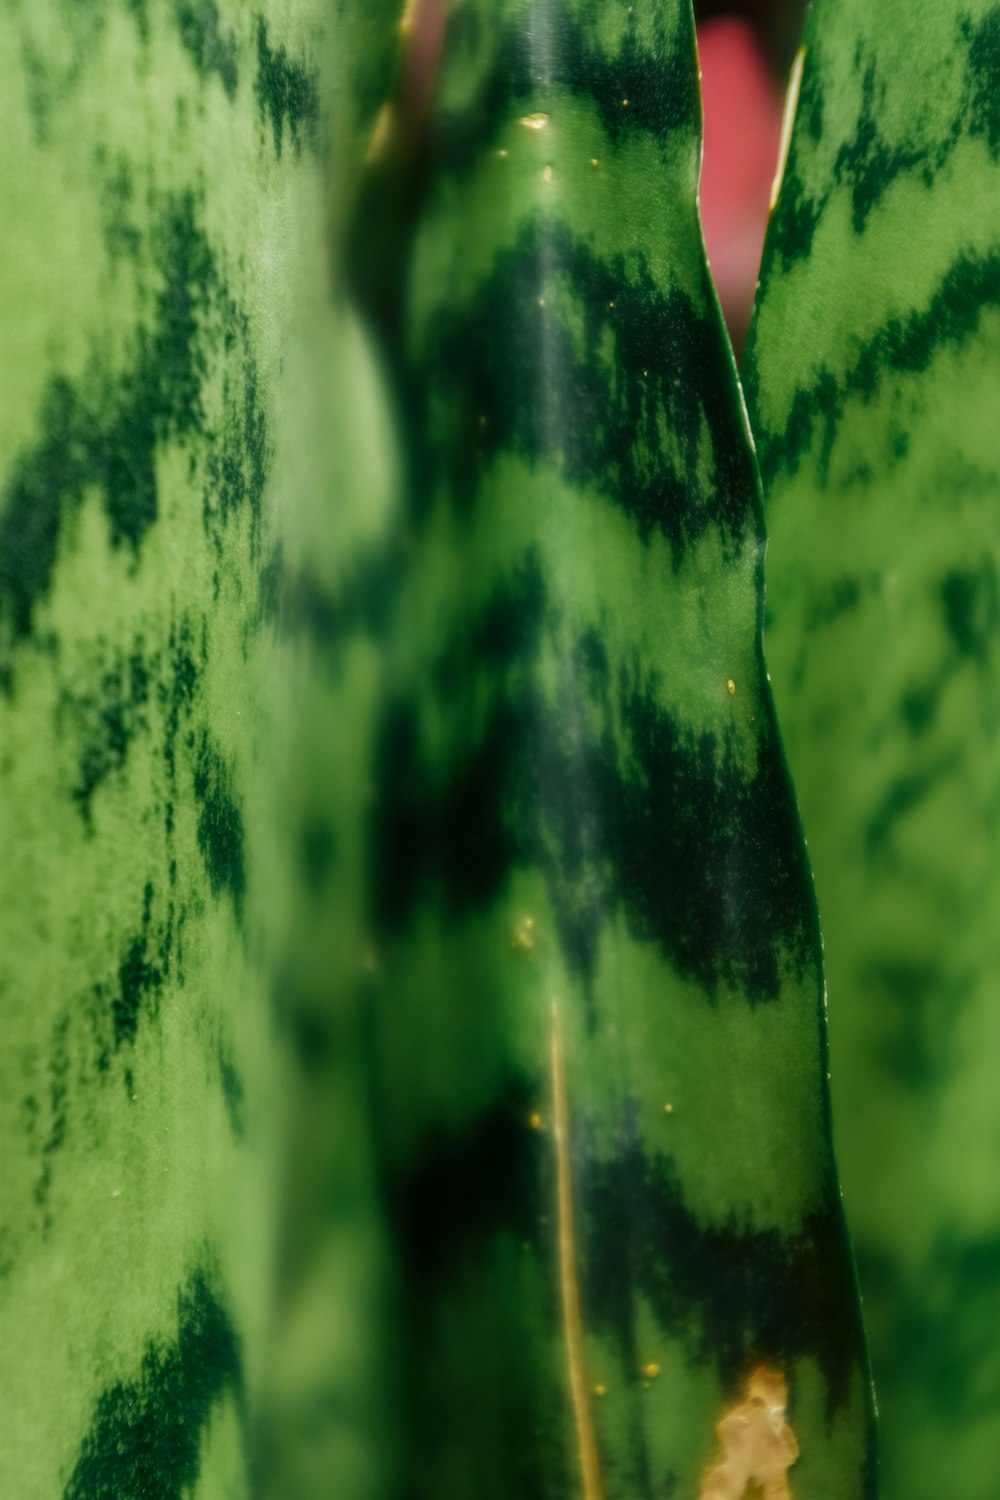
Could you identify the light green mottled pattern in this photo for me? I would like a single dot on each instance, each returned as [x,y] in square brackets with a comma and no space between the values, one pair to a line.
[156,159]
[582,828]
[872,376]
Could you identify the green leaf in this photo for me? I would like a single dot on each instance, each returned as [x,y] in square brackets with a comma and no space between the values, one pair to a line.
[600,1086]
[159,167]
[871,382]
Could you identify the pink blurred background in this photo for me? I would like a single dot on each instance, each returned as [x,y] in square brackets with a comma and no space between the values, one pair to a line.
[742,93]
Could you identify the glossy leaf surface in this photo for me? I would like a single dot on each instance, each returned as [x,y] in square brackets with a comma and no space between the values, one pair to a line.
[872,379]
[600,1067]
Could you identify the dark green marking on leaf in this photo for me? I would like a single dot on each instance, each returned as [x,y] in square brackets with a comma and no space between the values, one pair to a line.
[286,93]
[220,825]
[317,852]
[52,472]
[790,233]
[176,693]
[602,419]
[500,1172]
[919,704]
[646,86]
[950,1306]
[106,719]
[59,1067]
[498,1168]
[717,823]
[37,91]
[309,1027]
[903,794]
[362,601]
[49,80]
[904,344]
[146,1433]
[918,1007]
[453,833]
[508,630]
[868,162]
[971,602]
[735,1297]
[239,460]
[255,446]
[104,433]
[837,598]
[271,584]
[233,1093]
[140,10]
[200,32]
[175,364]
[7,1256]
[984,77]
[739,1296]
[122,237]
[659,824]
[139,980]
[809,107]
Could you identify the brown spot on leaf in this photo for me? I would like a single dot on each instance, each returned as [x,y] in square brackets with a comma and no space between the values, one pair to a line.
[758,1446]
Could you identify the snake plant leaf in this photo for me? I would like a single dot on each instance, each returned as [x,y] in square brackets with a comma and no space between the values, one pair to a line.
[872,376]
[597,1029]
[159,164]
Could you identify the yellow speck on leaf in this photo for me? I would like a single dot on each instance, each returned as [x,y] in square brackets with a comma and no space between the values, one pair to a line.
[534,122]
[546,174]
[535,1121]
[624,104]
[593,161]
[600,1390]
[651,1371]
[668,1109]
[730,687]
[502,151]
[758,1446]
